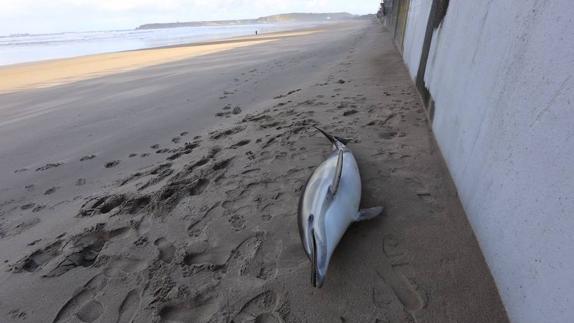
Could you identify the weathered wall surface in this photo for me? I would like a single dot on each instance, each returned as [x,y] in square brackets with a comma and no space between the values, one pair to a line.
[415,34]
[501,76]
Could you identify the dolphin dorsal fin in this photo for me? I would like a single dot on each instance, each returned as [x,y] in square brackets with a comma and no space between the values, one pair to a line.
[338,173]
[337,142]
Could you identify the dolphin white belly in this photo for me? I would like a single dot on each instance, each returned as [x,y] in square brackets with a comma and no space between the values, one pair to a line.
[328,205]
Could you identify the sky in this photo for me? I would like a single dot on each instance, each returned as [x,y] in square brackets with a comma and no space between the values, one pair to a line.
[50,16]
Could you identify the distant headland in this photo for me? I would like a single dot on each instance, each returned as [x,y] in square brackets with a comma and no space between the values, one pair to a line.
[288,17]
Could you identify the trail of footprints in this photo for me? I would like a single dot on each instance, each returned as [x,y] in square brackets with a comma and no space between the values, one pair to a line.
[84,250]
[86,304]
[392,273]
[248,196]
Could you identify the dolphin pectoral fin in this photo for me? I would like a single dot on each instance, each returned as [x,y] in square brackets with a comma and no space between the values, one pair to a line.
[314,262]
[367,214]
[317,278]
[338,173]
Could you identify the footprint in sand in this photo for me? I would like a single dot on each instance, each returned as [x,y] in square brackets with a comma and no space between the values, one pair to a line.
[236,216]
[27,206]
[196,310]
[38,258]
[112,164]
[38,208]
[388,135]
[88,157]
[198,221]
[137,204]
[33,243]
[84,250]
[382,122]
[166,250]
[51,190]
[18,227]
[157,174]
[222,164]
[17,314]
[129,307]
[101,205]
[80,251]
[48,166]
[218,134]
[247,260]
[84,297]
[264,264]
[240,144]
[83,305]
[90,312]
[394,261]
[286,94]
[265,308]
[200,253]
[426,196]
[119,267]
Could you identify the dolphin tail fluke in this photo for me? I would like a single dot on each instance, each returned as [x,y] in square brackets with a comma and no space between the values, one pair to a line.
[367,214]
[336,141]
[342,140]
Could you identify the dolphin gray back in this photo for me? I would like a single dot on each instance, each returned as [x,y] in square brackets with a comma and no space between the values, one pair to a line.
[329,203]
[316,198]
[305,217]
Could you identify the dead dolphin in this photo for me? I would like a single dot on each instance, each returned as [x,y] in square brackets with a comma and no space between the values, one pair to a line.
[329,203]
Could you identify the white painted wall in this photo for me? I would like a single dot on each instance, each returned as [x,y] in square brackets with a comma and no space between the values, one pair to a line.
[415,34]
[501,74]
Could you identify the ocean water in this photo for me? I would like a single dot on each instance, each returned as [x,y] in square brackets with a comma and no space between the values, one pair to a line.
[17,49]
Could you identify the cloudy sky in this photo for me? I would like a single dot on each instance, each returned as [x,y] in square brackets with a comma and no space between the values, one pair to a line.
[38,16]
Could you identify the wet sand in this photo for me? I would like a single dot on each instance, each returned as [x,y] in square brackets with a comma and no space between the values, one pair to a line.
[61,71]
[169,193]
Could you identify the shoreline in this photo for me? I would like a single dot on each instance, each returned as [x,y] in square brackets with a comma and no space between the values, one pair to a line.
[55,72]
[44,47]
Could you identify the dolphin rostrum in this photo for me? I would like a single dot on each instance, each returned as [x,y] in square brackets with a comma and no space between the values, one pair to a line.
[328,205]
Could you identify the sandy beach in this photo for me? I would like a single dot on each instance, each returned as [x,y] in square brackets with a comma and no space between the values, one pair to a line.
[61,71]
[162,186]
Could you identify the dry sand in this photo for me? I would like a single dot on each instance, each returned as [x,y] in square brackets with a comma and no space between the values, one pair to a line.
[169,193]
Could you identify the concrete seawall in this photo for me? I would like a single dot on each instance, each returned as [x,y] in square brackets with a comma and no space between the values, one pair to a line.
[499,82]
